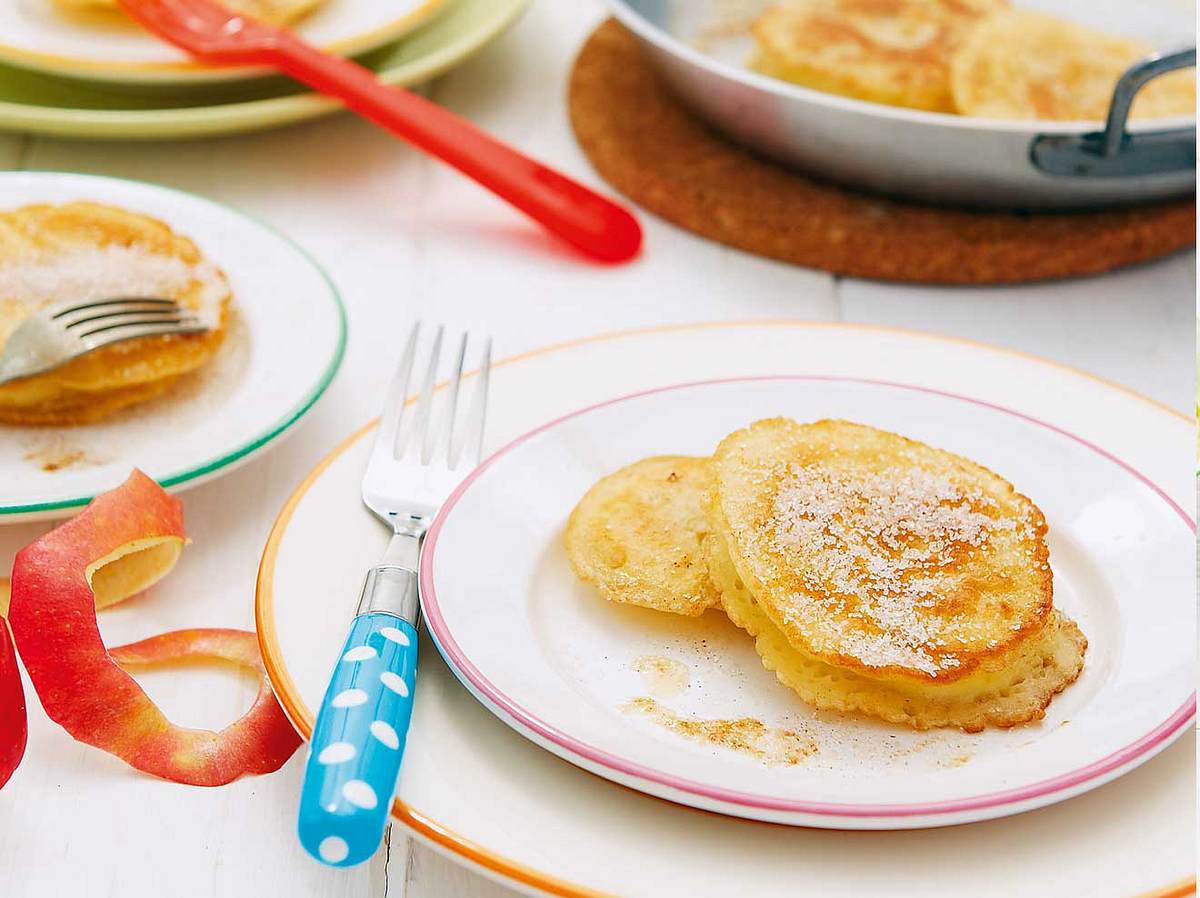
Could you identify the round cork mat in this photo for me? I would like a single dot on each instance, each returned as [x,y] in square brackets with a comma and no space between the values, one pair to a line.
[647,145]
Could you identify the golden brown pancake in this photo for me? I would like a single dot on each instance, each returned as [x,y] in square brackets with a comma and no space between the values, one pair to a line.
[1020,64]
[91,251]
[879,554]
[1016,687]
[895,52]
[637,534]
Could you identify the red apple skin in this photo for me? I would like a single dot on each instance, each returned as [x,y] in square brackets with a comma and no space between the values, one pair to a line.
[258,742]
[83,687]
[13,726]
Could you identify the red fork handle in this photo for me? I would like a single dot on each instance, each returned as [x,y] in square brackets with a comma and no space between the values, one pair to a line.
[579,215]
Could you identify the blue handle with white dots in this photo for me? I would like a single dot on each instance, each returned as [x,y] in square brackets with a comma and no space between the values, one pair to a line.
[358,741]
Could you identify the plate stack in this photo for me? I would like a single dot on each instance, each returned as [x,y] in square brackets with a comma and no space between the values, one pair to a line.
[573,746]
[83,71]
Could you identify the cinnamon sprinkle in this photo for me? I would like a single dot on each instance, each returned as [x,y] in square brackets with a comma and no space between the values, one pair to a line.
[777,747]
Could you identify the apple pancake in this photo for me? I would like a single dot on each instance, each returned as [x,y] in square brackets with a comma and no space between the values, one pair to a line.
[637,534]
[89,251]
[878,554]
[275,12]
[1020,64]
[1024,680]
[896,52]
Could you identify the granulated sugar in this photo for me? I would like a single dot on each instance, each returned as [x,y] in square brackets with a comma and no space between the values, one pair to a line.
[91,273]
[886,539]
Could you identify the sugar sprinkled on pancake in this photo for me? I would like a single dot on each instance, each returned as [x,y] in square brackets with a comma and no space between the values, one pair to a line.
[91,273]
[886,536]
[877,552]
[900,541]
[86,251]
[1017,690]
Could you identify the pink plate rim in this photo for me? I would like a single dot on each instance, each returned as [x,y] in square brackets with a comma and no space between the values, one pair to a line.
[1141,748]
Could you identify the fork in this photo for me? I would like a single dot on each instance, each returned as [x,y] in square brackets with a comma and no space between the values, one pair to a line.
[359,737]
[579,215]
[57,333]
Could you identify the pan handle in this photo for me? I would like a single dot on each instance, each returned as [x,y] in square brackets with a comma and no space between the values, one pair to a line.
[1114,152]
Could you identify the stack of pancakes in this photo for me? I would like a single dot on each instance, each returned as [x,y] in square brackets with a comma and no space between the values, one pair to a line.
[971,57]
[87,251]
[876,574]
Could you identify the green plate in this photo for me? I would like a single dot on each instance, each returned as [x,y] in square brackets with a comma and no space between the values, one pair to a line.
[62,107]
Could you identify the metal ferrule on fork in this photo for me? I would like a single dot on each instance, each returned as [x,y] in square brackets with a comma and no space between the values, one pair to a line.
[391,586]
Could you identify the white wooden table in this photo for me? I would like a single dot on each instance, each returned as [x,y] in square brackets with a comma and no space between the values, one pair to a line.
[403,237]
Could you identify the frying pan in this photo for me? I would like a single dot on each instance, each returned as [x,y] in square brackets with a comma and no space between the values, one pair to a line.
[932,156]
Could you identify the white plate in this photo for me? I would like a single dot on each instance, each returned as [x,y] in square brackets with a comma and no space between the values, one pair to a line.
[495,577]
[284,346]
[466,778]
[107,46]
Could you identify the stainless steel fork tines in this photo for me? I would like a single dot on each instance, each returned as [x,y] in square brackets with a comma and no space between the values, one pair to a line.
[57,333]
[427,444]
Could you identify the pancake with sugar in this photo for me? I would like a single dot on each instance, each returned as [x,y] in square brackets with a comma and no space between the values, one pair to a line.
[879,554]
[85,251]
[1016,688]
[637,536]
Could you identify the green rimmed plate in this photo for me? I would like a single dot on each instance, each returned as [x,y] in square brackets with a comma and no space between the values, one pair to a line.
[264,379]
[42,104]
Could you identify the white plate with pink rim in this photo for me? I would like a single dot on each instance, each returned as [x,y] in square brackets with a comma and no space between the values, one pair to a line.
[555,661]
[285,343]
[467,776]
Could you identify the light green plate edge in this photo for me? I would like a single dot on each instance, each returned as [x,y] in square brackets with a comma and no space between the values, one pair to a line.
[61,107]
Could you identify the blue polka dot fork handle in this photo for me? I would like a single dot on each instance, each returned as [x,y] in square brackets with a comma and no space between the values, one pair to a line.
[424,447]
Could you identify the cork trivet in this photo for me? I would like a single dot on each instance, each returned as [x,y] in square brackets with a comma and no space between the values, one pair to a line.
[647,145]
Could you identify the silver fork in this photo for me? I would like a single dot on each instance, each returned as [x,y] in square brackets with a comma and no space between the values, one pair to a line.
[358,740]
[57,333]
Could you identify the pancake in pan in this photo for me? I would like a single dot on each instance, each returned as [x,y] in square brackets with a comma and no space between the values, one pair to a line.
[1020,64]
[895,52]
